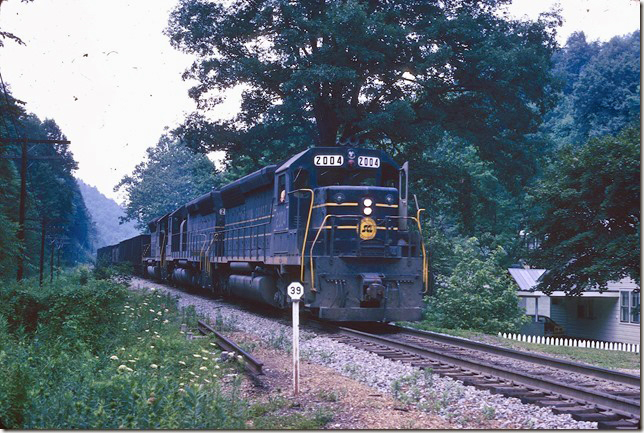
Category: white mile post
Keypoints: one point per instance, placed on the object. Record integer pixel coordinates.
(295, 291)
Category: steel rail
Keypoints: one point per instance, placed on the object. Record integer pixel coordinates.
(560, 364)
(618, 404)
(251, 363)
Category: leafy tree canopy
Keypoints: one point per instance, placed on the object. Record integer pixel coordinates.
(601, 88)
(385, 71)
(171, 176)
(589, 214)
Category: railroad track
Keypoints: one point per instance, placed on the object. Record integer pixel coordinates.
(610, 398)
(252, 365)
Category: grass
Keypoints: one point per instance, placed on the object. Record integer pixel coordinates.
(600, 358)
(86, 353)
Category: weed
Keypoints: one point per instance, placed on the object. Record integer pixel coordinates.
(328, 395)
(489, 412)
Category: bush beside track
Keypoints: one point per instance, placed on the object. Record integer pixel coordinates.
(87, 353)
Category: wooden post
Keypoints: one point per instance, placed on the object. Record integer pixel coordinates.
(42, 249)
(296, 347)
(295, 291)
(21, 209)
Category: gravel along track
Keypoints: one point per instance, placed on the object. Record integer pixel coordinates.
(457, 403)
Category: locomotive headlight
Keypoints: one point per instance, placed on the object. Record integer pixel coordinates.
(367, 202)
(389, 198)
(339, 198)
(367, 211)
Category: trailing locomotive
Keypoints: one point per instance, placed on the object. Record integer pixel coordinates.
(334, 218)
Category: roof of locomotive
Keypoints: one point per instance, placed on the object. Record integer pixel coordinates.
(305, 157)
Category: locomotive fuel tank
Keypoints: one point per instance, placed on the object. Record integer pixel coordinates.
(257, 288)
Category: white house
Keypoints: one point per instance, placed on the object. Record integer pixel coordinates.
(613, 315)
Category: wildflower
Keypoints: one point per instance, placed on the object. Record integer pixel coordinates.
(204, 358)
(125, 329)
(239, 357)
(139, 338)
(154, 366)
(216, 366)
(122, 349)
(131, 360)
(151, 310)
(124, 367)
(181, 384)
(206, 380)
(196, 355)
(192, 373)
(151, 400)
(204, 368)
(182, 390)
(165, 310)
(213, 344)
(152, 289)
(204, 351)
(166, 321)
(147, 330)
(145, 303)
(114, 358)
(151, 347)
(159, 313)
(182, 363)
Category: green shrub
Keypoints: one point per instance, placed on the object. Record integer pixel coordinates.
(479, 295)
(97, 356)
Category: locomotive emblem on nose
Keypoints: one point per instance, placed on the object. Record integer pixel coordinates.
(367, 229)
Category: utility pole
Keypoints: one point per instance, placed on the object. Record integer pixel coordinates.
(23, 191)
(42, 247)
(21, 212)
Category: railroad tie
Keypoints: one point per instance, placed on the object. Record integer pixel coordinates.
(596, 417)
(622, 424)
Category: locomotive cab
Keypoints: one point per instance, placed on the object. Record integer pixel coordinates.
(361, 255)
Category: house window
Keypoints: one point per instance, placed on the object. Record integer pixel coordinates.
(629, 303)
(635, 307)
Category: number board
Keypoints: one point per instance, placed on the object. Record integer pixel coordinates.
(295, 291)
(369, 161)
(328, 160)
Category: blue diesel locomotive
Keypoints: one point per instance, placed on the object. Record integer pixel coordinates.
(333, 218)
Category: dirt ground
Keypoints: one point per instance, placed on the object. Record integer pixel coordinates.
(354, 405)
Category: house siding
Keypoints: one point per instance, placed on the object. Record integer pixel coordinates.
(604, 324)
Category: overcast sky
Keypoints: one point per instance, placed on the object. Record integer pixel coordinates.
(107, 75)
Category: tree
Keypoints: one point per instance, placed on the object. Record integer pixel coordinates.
(171, 176)
(386, 71)
(589, 214)
(479, 295)
(601, 88)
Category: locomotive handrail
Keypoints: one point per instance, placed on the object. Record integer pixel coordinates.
(317, 235)
(422, 244)
(306, 230)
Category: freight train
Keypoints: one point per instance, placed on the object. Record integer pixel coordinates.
(333, 218)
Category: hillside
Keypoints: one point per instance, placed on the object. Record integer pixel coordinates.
(105, 213)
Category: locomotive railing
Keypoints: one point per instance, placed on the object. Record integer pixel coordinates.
(389, 225)
(308, 224)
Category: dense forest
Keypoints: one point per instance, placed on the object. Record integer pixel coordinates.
(57, 222)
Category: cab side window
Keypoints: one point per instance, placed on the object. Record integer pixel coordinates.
(281, 189)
